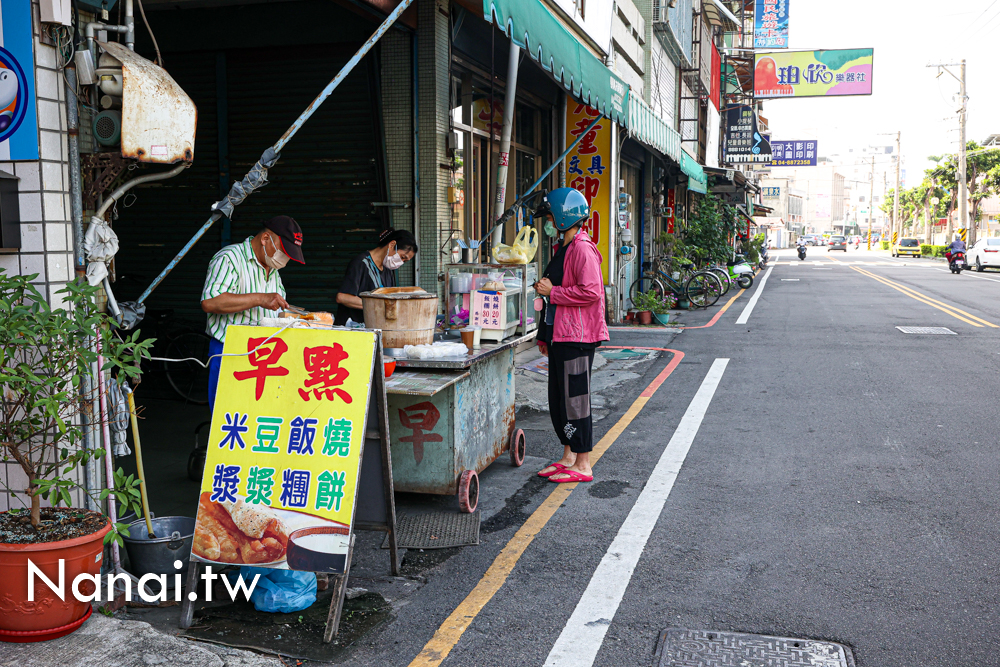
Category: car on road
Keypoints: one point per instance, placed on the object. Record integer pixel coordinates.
(810, 239)
(837, 243)
(906, 247)
(985, 254)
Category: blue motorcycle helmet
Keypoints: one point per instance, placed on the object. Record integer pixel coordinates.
(567, 206)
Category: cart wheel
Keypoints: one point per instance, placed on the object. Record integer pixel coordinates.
(517, 448)
(468, 492)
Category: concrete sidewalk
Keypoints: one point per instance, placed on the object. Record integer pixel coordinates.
(111, 642)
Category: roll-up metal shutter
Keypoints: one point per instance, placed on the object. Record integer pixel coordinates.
(326, 179)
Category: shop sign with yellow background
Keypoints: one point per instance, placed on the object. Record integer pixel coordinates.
(285, 448)
(588, 169)
(812, 73)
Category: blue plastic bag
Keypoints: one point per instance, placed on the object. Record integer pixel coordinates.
(280, 591)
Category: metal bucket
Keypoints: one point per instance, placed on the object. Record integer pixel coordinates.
(174, 535)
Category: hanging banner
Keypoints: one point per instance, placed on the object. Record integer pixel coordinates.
(770, 26)
(588, 169)
(793, 153)
(281, 472)
(744, 142)
(18, 118)
(812, 73)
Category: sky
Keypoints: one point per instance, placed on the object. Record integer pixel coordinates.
(907, 36)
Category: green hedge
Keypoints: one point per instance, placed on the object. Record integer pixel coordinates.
(884, 244)
(933, 250)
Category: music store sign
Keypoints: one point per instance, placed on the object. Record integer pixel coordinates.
(744, 143)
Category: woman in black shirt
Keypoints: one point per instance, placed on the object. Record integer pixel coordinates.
(372, 270)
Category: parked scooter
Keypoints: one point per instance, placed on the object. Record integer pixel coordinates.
(802, 252)
(957, 262)
(762, 264)
(741, 272)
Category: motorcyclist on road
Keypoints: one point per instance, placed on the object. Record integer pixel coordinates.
(958, 245)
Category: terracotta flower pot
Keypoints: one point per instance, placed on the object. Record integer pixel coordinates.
(645, 317)
(47, 617)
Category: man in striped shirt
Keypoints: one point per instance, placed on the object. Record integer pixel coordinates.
(243, 285)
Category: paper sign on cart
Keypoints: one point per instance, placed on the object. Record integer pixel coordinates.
(284, 454)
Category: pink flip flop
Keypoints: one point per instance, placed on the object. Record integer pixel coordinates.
(558, 469)
(574, 476)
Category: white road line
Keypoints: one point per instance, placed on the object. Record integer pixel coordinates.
(584, 633)
(745, 315)
(969, 275)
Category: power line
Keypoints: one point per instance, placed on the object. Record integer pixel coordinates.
(983, 14)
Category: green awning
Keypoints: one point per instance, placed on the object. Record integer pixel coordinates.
(648, 128)
(533, 28)
(697, 181)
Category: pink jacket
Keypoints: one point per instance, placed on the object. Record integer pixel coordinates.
(580, 301)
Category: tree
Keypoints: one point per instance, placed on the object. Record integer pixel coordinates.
(979, 163)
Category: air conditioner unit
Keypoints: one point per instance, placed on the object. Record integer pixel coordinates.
(660, 9)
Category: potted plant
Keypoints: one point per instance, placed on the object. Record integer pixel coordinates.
(645, 303)
(661, 308)
(46, 361)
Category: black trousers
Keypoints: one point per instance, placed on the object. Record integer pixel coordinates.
(569, 395)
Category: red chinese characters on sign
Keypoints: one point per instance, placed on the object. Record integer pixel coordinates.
(420, 418)
(586, 145)
(325, 374)
(671, 200)
(264, 361)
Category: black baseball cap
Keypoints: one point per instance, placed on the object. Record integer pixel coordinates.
(289, 234)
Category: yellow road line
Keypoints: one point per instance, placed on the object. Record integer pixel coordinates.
(447, 636)
(945, 305)
(917, 296)
(957, 313)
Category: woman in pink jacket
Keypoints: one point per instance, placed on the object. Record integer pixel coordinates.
(572, 328)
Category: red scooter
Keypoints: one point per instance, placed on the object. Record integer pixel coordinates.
(956, 261)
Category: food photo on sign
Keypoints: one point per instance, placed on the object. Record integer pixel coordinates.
(284, 454)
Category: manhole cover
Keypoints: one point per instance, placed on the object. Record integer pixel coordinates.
(436, 530)
(680, 647)
(927, 330)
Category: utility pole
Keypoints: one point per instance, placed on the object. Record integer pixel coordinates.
(871, 202)
(963, 193)
(897, 224)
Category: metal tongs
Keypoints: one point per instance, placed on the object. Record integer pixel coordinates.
(295, 309)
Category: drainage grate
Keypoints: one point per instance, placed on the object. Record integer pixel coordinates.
(927, 330)
(681, 647)
(436, 530)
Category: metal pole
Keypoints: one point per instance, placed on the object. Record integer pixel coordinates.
(508, 123)
(871, 203)
(963, 193)
(559, 160)
(287, 136)
(897, 224)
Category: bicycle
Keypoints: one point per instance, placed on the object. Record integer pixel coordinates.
(178, 340)
(701, 288)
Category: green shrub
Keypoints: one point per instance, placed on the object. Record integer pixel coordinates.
(884, 245)
(933, 250)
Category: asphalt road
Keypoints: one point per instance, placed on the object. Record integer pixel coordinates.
(842, 485)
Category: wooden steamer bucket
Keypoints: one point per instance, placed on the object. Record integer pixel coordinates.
(406, 315)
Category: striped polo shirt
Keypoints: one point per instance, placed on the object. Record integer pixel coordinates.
(235, 270)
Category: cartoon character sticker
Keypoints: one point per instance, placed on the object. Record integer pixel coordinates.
(13, 87)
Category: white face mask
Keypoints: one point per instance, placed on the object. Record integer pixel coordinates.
(393, 261)
(276, 261)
